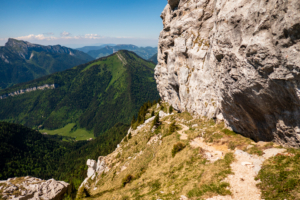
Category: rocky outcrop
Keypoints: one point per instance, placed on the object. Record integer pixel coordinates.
(234, 60)
(43, 87)
(32, 188)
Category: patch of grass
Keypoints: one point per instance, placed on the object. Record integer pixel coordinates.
(231, 145)
(218, 188)
(228, 132)
(69, 131)
(280, 177)
(155, 185)
(255, 150)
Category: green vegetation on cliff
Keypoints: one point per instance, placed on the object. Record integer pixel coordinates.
(93, 96)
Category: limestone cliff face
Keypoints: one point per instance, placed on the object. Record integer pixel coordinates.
(234, 60)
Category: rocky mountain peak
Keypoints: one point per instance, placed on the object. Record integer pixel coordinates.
(234, 61)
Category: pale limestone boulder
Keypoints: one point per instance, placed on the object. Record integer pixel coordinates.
(92, 164)
(237, 61)
(25, 188)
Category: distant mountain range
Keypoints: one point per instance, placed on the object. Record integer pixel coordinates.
(22, 61)
(95, 95)
(86, 49)
(144, 52)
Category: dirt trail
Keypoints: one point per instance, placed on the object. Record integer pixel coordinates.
(245, 169)
(183, 136)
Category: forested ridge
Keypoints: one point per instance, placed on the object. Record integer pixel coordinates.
(95, 95)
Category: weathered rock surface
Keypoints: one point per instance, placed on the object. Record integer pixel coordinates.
(32, 188)
(237, 60)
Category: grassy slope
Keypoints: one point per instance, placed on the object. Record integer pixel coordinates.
(153, 168)
(143, 170)
(95, 95)
(72, 131)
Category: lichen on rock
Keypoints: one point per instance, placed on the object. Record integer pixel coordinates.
(234, 60)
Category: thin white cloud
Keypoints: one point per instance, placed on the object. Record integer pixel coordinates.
(65, 34)
(36, 37)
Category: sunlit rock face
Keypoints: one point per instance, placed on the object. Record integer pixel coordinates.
(237, 60)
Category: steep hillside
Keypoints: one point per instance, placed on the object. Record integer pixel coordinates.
(94, 96)
(153, 59)
(187, 157)
(22, 61)
(234, 60)
(26, 152)
(144, 52)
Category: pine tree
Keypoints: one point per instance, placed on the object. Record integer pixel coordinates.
(152, 113)
(133, 120)
(156, 120)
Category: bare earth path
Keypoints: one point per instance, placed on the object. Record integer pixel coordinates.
(182, 134)
(245, 168)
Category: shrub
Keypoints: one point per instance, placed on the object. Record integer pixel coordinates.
(172, 128)
(156, 120)
(128, 178)
(171, 109)
(129, 136)
(177, 147)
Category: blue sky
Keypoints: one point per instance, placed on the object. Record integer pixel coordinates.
(77, 23)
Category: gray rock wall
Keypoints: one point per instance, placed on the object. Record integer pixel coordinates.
(237, 60)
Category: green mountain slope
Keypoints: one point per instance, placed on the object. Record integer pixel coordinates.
(22, 61)
(153, 59)
(94, 96)
(144, 52)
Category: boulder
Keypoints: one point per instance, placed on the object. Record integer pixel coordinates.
(24, 188)
(92, 164)
(237, 61)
